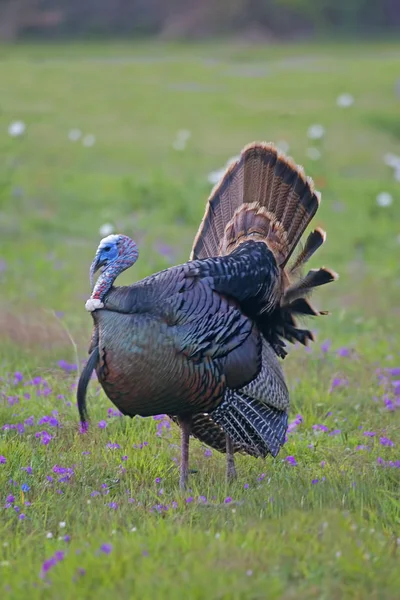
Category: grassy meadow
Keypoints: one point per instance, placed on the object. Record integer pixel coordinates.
(93, 515)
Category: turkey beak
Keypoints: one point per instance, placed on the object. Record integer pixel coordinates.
(94, 267)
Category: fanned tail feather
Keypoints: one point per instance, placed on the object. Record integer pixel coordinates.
(265, 196)
(279, 199)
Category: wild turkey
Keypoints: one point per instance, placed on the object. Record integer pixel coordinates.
(200, 341)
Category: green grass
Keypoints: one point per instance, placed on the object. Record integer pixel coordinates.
(281, 536)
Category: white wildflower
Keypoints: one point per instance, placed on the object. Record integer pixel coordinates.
(133, 529)
(182, 137)
(89, 140)
(283, 146)
(316, 132)
(217, 536)
(16, 128)
(49, 535)
(345, 100)
(338, 554)
(215, 176)
(74, 135)
(106, 229)
(313, 153)
(62, 524)
(391, 160)
(384, 199)
(249, 573)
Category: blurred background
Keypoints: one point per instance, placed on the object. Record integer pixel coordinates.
(261, 19)
(120, 115)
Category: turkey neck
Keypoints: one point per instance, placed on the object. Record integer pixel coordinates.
(106, 279)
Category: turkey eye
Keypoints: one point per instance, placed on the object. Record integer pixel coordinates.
(107, 249)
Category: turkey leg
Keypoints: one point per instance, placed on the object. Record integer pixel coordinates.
(230, 459)
(186, 427)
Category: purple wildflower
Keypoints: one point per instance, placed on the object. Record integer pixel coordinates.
(318, 427)
(113, 505)
(113, 446)
(295, 423)
(51, 562)
(343, 352)
(102, 424)
(246, 486)
(21, 517)
(83, 427)
(389, 403)
(369, 433)
(335, 432)
(314, 481)
(68, 367)
(326, 345)
(228, 500)
(394, 371)
(291, 460)
(3, 460)
(384, 441)
(207, 452)
(106, 548)
(189, 500)
(338, 382)
(396, 385)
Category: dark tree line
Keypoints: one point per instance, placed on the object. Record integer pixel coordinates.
(194, 18)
